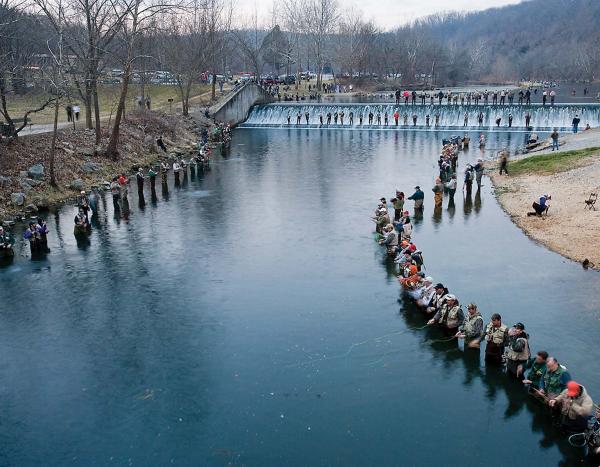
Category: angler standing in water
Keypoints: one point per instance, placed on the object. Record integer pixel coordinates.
(418, 196)
(466, 119)
(370, 118)
(472, 328)
(405, 119)
(306, 117)
(510, 120)
(527, 120)
(496, 336)
(140, 181)
(396, 117)
(414, 119)
(351, 118)
(342, 118)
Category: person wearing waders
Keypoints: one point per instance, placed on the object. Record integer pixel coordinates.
(396, 117)
(496, 337)
(414, 119)
(472, 328)
(468, 181)
(140, 181)
(152, 176)
(478, 172)
(418, 196)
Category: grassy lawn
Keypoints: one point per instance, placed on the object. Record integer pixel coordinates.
(547, 164)
(108, 96)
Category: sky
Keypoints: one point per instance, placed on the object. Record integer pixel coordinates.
(386, 13)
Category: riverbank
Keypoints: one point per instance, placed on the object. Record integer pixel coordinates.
(569, 176)
(24, 164)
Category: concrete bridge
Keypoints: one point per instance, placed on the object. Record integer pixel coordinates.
(235, 108)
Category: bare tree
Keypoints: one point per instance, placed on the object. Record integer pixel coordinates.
(16, 50)
(321, 18)
(137, 17)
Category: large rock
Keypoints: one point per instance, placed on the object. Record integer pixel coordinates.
(91, 167)
(31, 208)
(4, 181)
(77, 184)
(25, 186)
(36, 172)
(18, 199)
(89, 152)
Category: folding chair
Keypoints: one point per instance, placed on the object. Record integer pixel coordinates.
(591, 201)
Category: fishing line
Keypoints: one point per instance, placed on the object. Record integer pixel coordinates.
(352, 347)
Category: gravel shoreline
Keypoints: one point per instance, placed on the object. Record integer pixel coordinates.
(569, 229)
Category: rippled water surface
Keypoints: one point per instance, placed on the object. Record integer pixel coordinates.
(238, 321)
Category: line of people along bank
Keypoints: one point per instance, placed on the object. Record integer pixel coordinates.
(395, 119)
(545, 378)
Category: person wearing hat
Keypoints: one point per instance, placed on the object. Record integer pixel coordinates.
(406, 231)
(418, 196)
(468, 179)
(496, 336)
(140, 180)
(398, 203)
(451, 187)
(438, 189)
(437, 300)
(472, 328)
(6, 239)
(478, 172)
(450, 316)
(575, 406)
(424, 294)
(517, 351)
(390, 240)
(382, 220)
(541, 207)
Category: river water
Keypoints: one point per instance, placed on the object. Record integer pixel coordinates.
(238, 321)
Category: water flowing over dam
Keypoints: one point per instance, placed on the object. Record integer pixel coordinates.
(450, 116)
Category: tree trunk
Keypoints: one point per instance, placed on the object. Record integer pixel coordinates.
(53, 145)
(113, 143)
(88, 103)
(97, 125)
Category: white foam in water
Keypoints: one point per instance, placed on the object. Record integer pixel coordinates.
(200, 194)
(560, 115)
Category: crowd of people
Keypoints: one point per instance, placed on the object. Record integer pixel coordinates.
(509, 347)
(397, 118)
(485, 97)
(36, 233)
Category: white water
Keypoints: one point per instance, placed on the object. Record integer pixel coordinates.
(560, 115)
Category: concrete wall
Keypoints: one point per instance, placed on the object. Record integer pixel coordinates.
(235, 109)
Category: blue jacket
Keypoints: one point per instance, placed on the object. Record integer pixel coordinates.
(417, 195)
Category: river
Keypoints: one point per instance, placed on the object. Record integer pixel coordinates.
(238, 320)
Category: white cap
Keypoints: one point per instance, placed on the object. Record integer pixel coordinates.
(450, 297)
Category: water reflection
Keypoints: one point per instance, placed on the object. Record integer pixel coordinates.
(194, 321)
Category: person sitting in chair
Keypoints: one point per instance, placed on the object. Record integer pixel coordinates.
(541, 207)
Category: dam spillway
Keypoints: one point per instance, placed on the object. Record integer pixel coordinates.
(543, 118)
